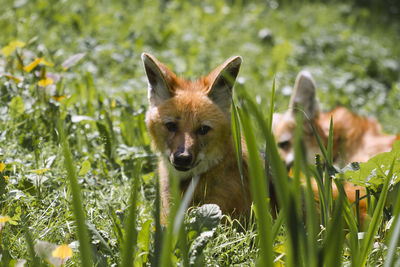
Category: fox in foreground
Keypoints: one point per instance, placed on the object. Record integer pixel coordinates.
(189, 123)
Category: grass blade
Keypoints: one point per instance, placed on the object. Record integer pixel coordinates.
(259, 191)
(376, 219)
(130, 238)
(333, 242)
(237, 142)
(77, 207)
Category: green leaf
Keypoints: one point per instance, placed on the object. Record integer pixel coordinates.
(206, 217)
(85, 168)
(143, 239)
(198, 246)
(16, 107)
(373, 172)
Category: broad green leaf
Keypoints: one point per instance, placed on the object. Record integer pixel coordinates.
(197, 248)
(144, 238)
(205, 217)
(373, 172)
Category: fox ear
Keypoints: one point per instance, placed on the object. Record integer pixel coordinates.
(222, 80)
(159, 79)
(304, 95)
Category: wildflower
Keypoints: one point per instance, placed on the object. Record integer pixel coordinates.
(62, 252)
(36, 62)
(10, 48)
(2, 166)
(45, 82)
(3, 221)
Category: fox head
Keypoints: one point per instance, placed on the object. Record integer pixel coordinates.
(304, 100)
(189, 121)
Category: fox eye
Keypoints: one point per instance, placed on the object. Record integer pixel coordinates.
(203, 130)
(171, 126)
(285, 145)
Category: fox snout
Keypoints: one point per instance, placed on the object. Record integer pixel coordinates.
(182, 160)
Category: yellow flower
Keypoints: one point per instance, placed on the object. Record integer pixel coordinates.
(11, 77)
(3, 221)
(33, 65)
(36, 62)
(2, 166)
(45, 82)
(40, 171)
(59, 98)
(62, 252)
(10, 48)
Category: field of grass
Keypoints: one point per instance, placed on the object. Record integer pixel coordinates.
(76, 164)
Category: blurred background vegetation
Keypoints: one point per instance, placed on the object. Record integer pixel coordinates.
(351, 47)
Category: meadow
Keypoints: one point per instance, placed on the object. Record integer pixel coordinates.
(76, 163)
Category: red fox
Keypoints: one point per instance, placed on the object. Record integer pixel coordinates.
(189, 123)
(354, 138)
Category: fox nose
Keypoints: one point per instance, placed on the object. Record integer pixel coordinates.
(182, 161)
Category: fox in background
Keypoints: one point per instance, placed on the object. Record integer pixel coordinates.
(355, 138)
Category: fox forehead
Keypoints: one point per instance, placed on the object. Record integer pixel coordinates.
(191, 108)
(284, 127)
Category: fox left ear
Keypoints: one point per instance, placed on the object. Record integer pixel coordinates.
(160, 80)
(223, 79)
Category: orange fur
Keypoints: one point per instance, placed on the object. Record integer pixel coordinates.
(355, 138)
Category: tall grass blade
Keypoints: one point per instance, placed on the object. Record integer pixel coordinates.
(393, 243)
(351, 224)
(334, 240)
(158, 235)
(311, 254)
(168, 241)
(179, 230)
(130, 238)
(394, 235)
(267, 162)
(77, 207)
(376, 219)
(29, 241)
(237, 142)
(271, 106)
(259, 192)
(330, 143)
(319, 141)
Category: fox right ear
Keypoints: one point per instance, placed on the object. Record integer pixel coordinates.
(158, 77)
(304, 95)
(223, 79)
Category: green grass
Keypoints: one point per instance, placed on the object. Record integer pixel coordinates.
(102, 149)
